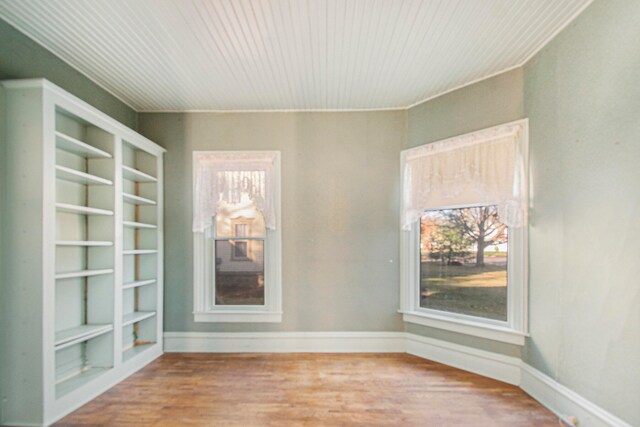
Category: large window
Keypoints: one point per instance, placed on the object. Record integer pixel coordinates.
(464, 220)
(237, 237)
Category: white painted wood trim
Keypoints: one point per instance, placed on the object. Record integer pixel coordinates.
(564, 402)
(559, 399)
(34, 103)
(203, 271)
(238, 317)
(278, 110)
(515, 329)
(492, 365)
(79, 397)
(285, 342)
(19, 424)
(88, 112)
(476, 329)
(485, 363)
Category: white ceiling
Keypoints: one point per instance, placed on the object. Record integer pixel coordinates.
(168, 55)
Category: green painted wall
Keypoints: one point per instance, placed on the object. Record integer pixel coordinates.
(22, 58)
(582, 96)
(487, 103)
(340, 243)
(340, 195)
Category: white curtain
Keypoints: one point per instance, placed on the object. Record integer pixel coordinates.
(485, 167)
(225, 177)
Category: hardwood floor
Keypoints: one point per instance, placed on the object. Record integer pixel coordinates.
(308, 390)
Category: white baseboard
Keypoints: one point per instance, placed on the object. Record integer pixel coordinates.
(22, 424)
(557, 398)
(284, 342)
(488, 364)
(76, 399)
(485, 363)
(564, 402)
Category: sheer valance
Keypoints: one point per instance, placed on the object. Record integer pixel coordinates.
(484, 167)
(225, 177)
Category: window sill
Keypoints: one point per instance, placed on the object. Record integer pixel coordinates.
(238, 317)
(477, 329)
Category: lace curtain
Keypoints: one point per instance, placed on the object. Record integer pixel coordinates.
(485, 167)
(225, 177)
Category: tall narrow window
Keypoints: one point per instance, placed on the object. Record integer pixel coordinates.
(239, 247)
(464, 219)
(237, 237)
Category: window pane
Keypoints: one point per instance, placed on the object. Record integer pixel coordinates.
(463, 262)
(240, 249)
(241, 230)
(240, 272)
(239, 220)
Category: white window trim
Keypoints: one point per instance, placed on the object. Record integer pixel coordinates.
(204, 271)
(515, 329)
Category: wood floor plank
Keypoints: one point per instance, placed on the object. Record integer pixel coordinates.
(308, 389)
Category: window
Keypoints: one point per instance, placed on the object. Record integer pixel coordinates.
(237, 265)
(241, 251)
(242, 248)
(463, 261)
(464, 234)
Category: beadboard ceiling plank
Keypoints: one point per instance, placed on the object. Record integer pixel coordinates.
(289, 55)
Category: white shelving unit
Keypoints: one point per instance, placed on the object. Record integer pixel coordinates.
(85, 222)
(82, 273)
(141, 267)
(81, 210)
(79, 177)
(80, 334)
(133, 224)
(137, 200)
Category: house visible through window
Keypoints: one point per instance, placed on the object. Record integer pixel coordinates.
(239, 275)
(240, 250)
(241, 247)
(237, 254)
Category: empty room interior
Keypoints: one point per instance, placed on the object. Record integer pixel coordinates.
(320, 213)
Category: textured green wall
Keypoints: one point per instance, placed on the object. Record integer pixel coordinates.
(22, 58)
(582, 96)
(340, 195)
(487, 103)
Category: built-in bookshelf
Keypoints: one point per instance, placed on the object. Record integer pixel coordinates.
(85, 221)
(140, 250)
(84, 251)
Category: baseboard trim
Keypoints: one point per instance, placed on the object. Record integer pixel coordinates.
(284, 342)
(75, 400)
(564, 402)
(492, 365)
(485, 363)
(557, 398)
